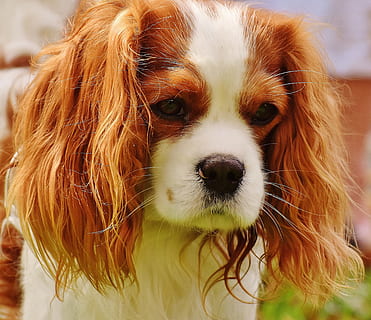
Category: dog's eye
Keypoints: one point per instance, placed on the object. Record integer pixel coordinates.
(265, 114)
(171, 109)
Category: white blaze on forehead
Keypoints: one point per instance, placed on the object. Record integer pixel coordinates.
(219, 50)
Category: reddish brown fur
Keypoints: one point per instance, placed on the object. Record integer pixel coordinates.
(306, 156)
(10, 291)
(10, 239)
(89, 146)
(19, 61)
(185, 84)
(86, 129)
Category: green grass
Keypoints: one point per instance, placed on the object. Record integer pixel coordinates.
(356, 305)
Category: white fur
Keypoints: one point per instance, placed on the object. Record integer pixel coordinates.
(220, 54)
(168, 287)
(169, 278)
(219, 49)
(174, 172)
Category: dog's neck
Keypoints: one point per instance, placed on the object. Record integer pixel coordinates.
(171, 274)
(172, 267)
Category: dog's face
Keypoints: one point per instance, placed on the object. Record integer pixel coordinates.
(216, 104)
(211, 177)
(210, 116)
(208, 173)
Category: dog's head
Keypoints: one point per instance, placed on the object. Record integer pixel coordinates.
(200, 114)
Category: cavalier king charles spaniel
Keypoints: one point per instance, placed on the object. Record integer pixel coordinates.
(171, 152)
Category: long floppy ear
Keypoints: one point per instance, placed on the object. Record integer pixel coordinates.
(307, 174)
(82, 141)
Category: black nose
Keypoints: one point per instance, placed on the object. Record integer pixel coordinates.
(221, 174)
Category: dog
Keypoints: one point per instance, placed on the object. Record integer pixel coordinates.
(169, 153)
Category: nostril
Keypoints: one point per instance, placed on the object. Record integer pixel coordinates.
(221, 170)
(207, 171)
(221, 174)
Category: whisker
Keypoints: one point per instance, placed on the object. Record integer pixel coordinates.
(284, 188)
(289, 222)
(291, 83)
(288, 93)
(274, 220)
(116, 225)
(285, 201)
(277, 172)
(269, 144)
(296, 71)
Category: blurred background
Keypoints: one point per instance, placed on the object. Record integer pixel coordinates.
(344, 29)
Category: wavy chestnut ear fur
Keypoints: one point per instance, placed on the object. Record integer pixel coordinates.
(304, 223)
(83, 141)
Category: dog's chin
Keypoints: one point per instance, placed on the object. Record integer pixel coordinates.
(211, 219)
(218, 220)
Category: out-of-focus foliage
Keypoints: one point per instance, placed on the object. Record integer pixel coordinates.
(289, 305)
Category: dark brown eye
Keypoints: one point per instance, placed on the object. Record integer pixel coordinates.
(264, 115)
(170, 109)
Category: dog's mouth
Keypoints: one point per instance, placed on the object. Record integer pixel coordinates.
(218, 205)
(222, 216)
(218, 211)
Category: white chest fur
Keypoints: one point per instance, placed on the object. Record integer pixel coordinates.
(170, 281)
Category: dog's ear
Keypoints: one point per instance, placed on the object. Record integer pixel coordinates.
(307, 173)
(81, 132)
